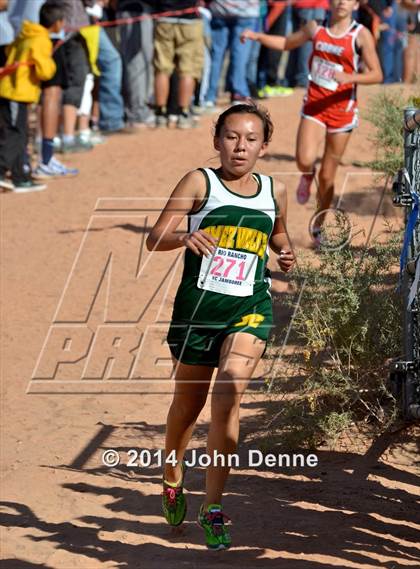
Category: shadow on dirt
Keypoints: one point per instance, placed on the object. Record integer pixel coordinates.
(348, 508)
(371, 201)
(268, 156)
(125, 226)
(350, 511)
(21, 564)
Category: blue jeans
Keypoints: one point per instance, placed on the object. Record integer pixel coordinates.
(111, 104)
(252, 67)
(387, 46)
(205, 76)
(297, 68)
(269, 59)
(400, 43)
(225, 34)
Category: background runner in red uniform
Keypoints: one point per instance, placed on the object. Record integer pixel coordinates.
(329, 111)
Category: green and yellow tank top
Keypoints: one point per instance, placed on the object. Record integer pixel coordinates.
(235, 279)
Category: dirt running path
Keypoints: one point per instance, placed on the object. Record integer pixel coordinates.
(71, 301)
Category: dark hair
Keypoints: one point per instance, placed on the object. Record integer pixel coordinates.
(250, 109)
(50, 13)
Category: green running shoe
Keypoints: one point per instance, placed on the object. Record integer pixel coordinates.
(213, 523)
(174, 504)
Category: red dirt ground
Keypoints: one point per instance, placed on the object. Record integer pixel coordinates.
(62, 509)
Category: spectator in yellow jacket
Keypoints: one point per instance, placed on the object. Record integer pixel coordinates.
(29, 61)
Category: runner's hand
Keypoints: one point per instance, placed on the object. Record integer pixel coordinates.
(286, 260)
(200, 242)
(343, 78)
(248, 35)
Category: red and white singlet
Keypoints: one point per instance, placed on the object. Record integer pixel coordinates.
(326, 101)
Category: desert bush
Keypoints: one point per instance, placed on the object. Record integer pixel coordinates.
(348, 322)
(347, 326)
(385, 112)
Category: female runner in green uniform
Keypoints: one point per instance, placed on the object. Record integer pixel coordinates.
(223, 310)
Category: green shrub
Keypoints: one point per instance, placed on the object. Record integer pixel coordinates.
(347, 326)
(385, 112)
(348, 323)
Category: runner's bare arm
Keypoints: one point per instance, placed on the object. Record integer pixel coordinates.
(291, 41)
(372, 72)
(279, 241)
(187, 196)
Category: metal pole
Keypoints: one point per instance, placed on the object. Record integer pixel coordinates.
(411, 119)
(411, 332)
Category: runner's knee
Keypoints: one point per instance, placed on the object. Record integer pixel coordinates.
(225, 402)
(304, 163)
(188, 408)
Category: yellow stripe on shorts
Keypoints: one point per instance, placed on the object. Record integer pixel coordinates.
(252, 320)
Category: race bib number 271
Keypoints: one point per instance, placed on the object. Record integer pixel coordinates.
(228, 272)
